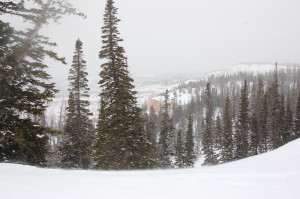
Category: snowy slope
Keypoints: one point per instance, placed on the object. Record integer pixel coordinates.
(273, 175)
(151, 87)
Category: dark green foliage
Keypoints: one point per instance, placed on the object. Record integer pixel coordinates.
(270, 123)
(179, 151)
(207, 139)
(24, 82)
(121, 141)
(165, 135)
(11, 7)
(77, 140)
(263, 127)
(217, 140)
(22, 70)
(288, 134)
(227, 136)
(22, 141)
(257, 112)
(242, 128)
(281, 120)
(253, 135)
(189, 145)
(274, 123)
(152, 128)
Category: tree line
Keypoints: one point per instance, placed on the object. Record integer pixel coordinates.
(243, 114)
(269, 122)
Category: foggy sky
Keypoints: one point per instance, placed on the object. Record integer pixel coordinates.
(185, 36)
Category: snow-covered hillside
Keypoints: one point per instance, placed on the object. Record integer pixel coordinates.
(147, 86)
(273, 175)
(152, 87)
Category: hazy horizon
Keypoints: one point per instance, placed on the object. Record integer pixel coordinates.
(183, 37)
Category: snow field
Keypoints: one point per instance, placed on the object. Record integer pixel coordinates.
(272, 175)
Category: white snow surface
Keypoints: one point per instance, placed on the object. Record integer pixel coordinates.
(272, 175)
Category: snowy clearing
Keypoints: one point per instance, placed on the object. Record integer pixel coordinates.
(272, 175)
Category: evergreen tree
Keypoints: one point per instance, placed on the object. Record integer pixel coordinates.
(263, 124)
(227, 140)
(253, 135)
(218, 140)
(207, 141)
(259, 98)
(165, 134)
(121, 141)
(152, 128)
(179, 151)
(297, 119)
(274, 113)
(281, 120)
(189, 155)
(242, 133)
(201, 135)
(198, 123)
(76, 144)
(25, 85)
(25, 142)
(11, 7)
(288, 125)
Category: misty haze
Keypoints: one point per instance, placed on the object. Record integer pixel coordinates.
(149, 99)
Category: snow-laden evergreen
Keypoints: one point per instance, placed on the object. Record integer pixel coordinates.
(75, 149)
(121, 141)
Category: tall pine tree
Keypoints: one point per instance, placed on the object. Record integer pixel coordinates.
(165, 134)
(207, 139)
(217, 139)
(227, 140)
(288, 134)
(258, 101)
(274, 113)
(189, 155)
(242, 128)
(253, 147)
(152, 128)
(282, 129)
(263, 125)
(76, 144)
(121, 141)
(179, 151)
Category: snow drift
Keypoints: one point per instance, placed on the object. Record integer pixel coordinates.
(272, 175)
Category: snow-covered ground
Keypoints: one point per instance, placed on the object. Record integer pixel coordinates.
(272, 175)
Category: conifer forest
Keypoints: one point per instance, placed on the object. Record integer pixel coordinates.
(216, 119)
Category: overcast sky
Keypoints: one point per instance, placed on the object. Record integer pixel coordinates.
(185, 36)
